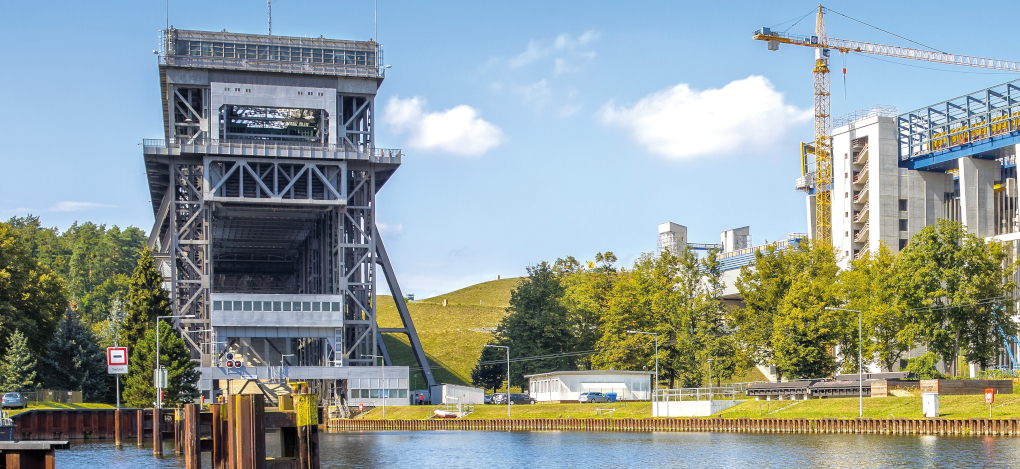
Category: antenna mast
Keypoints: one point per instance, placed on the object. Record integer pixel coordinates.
(269, 7)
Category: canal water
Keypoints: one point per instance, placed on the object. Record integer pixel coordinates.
(556, 449)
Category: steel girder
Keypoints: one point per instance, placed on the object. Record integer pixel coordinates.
(224, 216)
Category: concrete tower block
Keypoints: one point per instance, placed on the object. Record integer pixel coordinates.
(977, 181)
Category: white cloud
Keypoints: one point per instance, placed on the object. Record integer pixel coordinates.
(75, 206)
(388, 228)
(458, 130)
(565, 47)
(683, 123)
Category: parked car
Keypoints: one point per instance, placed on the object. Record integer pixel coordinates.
(521, 399)
(592, 397)
(488, 399)
(498, 398)
(13, 400)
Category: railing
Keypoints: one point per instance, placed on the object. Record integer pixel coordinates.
(876, 110)
(863, 154)
(859, 234)
(961, 120)
(281, 54)
(696, 394)
(375, 154)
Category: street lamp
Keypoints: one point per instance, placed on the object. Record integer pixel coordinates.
(159, 382)
(709, 380)
(507, 375)
(860, 358)
(656, 335)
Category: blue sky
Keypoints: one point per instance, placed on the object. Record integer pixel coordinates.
(532, 129)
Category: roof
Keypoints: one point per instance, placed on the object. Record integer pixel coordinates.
(591, 372)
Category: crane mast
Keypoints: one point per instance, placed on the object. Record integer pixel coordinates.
(823, 119)
(823, 132)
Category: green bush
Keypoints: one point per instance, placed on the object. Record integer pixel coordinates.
(924, 366)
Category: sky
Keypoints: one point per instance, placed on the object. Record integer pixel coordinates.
(531, 130)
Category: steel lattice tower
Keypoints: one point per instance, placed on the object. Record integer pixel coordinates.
(264, 193)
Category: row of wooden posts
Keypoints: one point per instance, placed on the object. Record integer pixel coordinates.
(937, 426)
(234, 431)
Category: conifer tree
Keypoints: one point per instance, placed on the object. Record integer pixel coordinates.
(145, 300)
(182, 375)
(17, 372)
(74, 361)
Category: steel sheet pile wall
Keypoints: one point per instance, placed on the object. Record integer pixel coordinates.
(895, 426)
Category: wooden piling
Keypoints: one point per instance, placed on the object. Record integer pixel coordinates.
(116, 429)
(140, 428)
(157, 431)
(190, 436)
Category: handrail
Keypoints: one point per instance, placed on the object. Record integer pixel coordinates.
(696, 394)
(266, 145)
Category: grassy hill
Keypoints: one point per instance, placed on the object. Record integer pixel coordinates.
(451, 335)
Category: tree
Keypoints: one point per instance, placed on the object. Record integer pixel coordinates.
(955, 286)
(536, 324)
(677, 297)
(31, 296)
(490, 371)
(869, 286)
(145, 300)
(785, 320)
(586, 295)
(763, 285)
(74, 362)
(924, 366)
(17, 372)
(182, 375)
(95, 262)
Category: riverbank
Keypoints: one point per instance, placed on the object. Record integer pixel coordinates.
(952, 407)
(890, 426)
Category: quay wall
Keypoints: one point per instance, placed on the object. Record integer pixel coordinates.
(893, 426)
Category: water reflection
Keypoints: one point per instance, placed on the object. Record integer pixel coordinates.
(443, 449)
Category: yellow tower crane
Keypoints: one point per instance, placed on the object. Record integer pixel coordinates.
(823, 122)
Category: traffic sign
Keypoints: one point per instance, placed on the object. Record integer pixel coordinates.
(159, 378)
(116, 360)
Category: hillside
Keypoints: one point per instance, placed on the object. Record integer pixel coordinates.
(451, 335)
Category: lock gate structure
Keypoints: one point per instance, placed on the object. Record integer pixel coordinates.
(264, 195)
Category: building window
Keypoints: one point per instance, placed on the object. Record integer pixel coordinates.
(903, 244)
(903, 225)
(846, 215)
(903, 205)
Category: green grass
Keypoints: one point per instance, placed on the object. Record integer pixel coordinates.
(494, 293)
(57, 405)
(537, 411)
(452, 335)
(954, 407)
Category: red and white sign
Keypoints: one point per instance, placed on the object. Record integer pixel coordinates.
(989, 396)
(116, 360)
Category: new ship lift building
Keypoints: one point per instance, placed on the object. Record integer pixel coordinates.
(264, 195)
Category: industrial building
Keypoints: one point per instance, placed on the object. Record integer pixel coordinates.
(895, 174)
(264, 190)
(559, 386)
(733, 251)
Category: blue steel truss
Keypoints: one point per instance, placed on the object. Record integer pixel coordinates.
(983, 124)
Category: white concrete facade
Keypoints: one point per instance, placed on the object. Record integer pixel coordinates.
(874, 199)
(672, 237)
(568, 385)
(455, 394)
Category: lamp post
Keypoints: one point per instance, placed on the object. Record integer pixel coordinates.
(159, 382)
(507, 376)
(656, 335)
(860, 358)
(709, 380)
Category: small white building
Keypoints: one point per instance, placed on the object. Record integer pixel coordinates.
(568, 385)
(455, 394)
